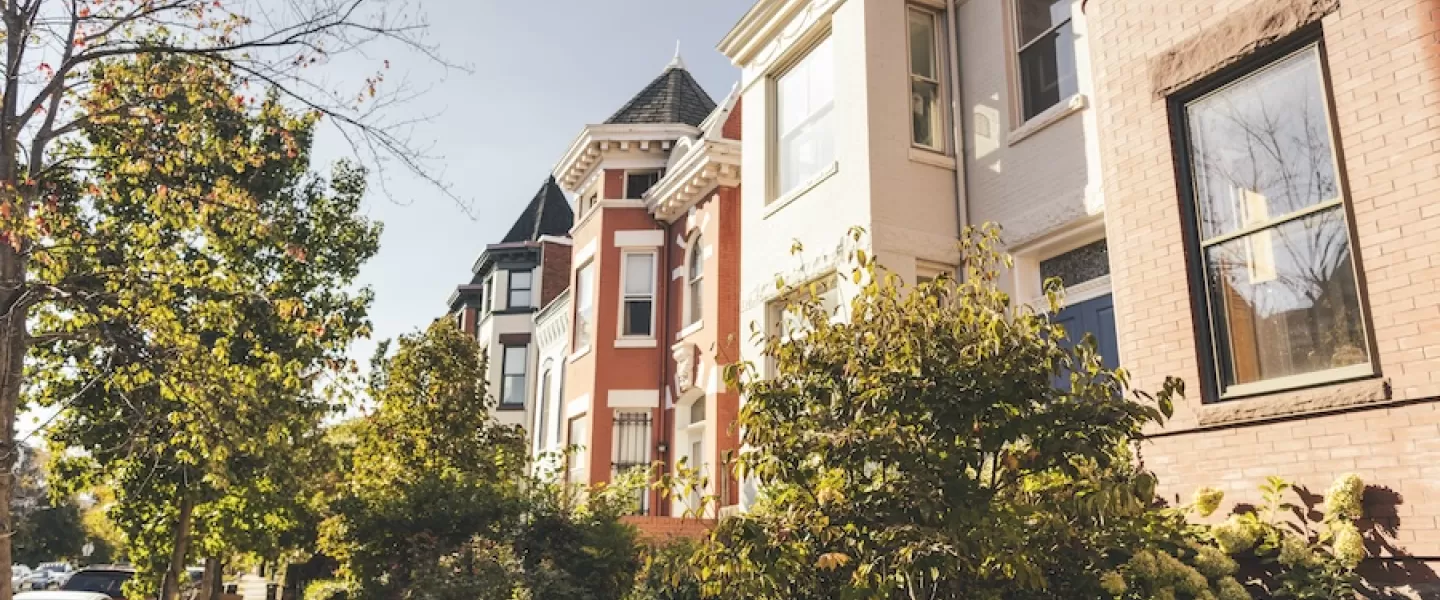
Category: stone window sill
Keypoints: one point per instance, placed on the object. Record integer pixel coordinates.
(926, 156)
(690, 329)
(796, 193)
(635, 343)
(1292, 403)
(1051, 116)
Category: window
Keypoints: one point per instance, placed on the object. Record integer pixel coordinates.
(588, 202)
(1282, 297)
(542, 410)
(520, 283)
(512, 381)
(1047, 54)
(638, 303)
(790, 321)
(513, 363)
(694, 282)
(631, 449)
(576, 461)
(488, 296)
(925, 122)
(639, 182)
(584, 305)
(805, 97)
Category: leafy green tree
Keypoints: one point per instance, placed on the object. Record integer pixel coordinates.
(59, 58)
(190, 379)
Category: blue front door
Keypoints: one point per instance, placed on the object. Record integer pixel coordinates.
(1096, 317)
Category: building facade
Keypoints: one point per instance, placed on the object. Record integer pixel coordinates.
(1272, 175)
(509, 282)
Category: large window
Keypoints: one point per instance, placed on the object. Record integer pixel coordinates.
(584, 305)
(925, 121)
(512, 381)
(805, 97)
(695, 282)
(639, 182)
(638, 302)
(1046, 54)
(520, 288)
(1281, 292)
(788, 313)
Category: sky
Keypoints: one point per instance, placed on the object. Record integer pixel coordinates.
(539, 71)
(535, 72)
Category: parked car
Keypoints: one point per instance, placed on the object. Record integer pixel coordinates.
(47, 576)
(18, 573)
(103, 580)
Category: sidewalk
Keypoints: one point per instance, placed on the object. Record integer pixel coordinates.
(252, 587)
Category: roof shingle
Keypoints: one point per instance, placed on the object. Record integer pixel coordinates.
(548, 213)
(673, 97)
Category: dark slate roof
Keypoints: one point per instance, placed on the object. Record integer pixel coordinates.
(673, 97)
(547, 214)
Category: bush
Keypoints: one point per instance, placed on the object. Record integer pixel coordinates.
(328, 589)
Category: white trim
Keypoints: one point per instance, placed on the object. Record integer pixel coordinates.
(633, 399)
(938, 35)
(677, 273)
(635, 342)
(585, 253)
(638, 238)
(1075, 294)
(1050, 116)
(557, 239)
(620, 334)
(926, 156)
(575, 408)
(579, 354)
(687, 282)
(690, 329)
(801, 190)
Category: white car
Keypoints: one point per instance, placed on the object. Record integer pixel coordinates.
(18, 573)
(61, 595)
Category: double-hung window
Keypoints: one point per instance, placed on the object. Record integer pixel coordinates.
(925, 121)
(542, 408)
(584, 305)
(805, 99)
(695, 282)
(512, 382)
(1275, 250)
(1046, 54)
(638, 303)
(577, 460)
(520, 288)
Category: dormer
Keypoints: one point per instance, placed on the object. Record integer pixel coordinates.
(619, 160)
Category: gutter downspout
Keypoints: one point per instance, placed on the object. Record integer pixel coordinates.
(663, 443)
(957, 119)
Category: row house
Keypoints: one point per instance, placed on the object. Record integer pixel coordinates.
(510, 281)
(630, 358)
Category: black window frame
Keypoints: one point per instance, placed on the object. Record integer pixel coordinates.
(655, 175)
(511, 288)
(1023, 45)
(506, 376)
(1212, 387)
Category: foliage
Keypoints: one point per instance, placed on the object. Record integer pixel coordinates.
(918, 446)
(666, 573)
(437, 502)
(209, 278)
(328, 589)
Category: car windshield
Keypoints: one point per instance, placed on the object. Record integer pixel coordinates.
(104, 582)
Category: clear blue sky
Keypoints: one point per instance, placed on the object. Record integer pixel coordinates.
(540, 71)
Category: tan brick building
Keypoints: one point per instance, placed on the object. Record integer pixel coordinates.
(1271, 172)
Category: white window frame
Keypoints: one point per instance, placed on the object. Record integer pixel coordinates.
(626, 297)
(542, 404)
(587, 325)
(937, 39)
(777, 193)
(695, 252)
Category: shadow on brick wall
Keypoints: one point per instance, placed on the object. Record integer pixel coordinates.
(1391, 573)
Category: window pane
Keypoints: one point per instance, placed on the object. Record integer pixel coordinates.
(520, 279)
(584, 304)
(519, 298)
(636, 184)
(925, 117)
(697, 257)
(1047, 71)
(922, 44)
(697, 300)
(514, 394)
(515, 359)
(1038, 16)
(637, 317)
(805, 98)
(639, 273)
(543, 409)
(1285, 300)
(1260, 148)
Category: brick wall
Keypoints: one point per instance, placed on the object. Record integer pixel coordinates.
(659, 530)
(734, 123)
(1384, 68)
(554, 271)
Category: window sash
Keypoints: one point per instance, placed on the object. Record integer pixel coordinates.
(633, 297)
(584, 304)
(542, 407)
(804, 100)
(519, 295)
(1035, 40)
(1023, 43)
(933, 119)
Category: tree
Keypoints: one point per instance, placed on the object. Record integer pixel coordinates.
(48, 527)
(437, 503)
(58, 51)
(918, 447)
(190, 377)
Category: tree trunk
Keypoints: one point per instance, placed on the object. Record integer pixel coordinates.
(214, 581)
(176, 573)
